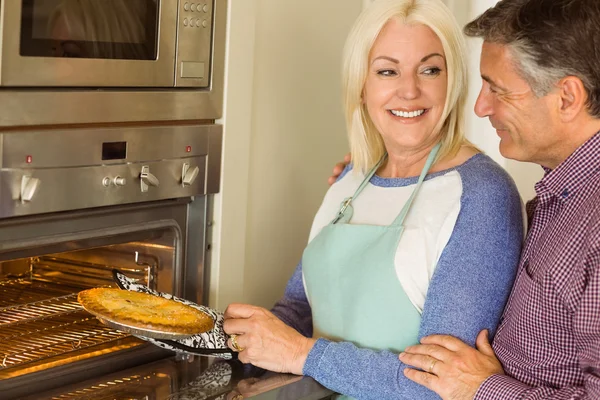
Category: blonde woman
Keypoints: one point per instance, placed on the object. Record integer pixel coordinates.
(421, 235)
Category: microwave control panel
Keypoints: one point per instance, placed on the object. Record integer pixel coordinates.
(194, 40)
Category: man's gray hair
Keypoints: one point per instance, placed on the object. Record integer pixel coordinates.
(549, 40)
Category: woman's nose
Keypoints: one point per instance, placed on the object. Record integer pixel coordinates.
(408, 87)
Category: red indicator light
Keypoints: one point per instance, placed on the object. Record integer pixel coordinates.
(28, 159)
(188, 149)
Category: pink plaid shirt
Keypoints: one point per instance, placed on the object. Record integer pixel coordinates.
(549, 337)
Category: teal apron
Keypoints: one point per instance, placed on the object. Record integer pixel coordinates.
(351, 280)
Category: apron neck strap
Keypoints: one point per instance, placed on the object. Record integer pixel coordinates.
(346, 210)
(368, 177)
(404, 212)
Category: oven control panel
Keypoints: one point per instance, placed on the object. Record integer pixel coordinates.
(71, 170)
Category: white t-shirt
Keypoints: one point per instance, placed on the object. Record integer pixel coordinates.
(428, 225)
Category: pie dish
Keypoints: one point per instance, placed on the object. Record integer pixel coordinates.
(144, 314)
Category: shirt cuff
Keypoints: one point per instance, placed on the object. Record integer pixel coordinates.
(311, 365)
(500, 387)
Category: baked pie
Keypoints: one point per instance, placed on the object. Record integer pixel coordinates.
(144, 311)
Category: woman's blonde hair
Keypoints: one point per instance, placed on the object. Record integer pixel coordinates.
(366, 143)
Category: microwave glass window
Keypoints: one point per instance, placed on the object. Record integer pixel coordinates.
(108, 29)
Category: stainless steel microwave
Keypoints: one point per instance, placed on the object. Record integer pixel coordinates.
(140, 59)
(106, 43)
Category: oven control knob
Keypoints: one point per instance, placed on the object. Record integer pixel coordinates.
(118, 181)
(188, 175)
(28, 187)
(147, 179)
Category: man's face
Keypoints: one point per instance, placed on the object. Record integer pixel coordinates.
(526, 124)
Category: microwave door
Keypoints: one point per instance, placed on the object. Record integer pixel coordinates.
(89, 43)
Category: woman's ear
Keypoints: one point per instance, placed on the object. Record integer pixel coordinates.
(573, 97)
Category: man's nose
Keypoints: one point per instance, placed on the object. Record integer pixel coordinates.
(483, 105)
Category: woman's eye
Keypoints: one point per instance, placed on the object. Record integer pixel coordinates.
(433, 71)
(386, 72)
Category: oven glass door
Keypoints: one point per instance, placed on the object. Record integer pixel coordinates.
(121, 30)
(89, 43)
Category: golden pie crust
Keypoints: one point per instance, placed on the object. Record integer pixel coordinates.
(144, 311)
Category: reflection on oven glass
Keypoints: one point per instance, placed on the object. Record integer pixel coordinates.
(145, 386)
(217, 380)
(109, 29)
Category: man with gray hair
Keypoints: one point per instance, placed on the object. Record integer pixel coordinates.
(540, 65)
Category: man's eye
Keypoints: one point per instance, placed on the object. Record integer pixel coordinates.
(490, 88)
(386, 72)
(433, 71)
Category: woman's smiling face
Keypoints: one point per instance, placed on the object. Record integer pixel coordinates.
(405, 90)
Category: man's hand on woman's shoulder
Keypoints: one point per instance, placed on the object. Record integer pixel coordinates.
(339, 168)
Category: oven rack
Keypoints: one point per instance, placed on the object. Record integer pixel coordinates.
(81, 273)
(52, 327)
(37, 311)
(19, 291)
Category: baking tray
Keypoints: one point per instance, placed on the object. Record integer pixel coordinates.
(151, 333)
(135, 330)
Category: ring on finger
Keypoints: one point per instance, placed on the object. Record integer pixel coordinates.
(235, 344)
(433, 362)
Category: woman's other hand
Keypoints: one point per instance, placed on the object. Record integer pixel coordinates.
(339, 168)
(264, 340)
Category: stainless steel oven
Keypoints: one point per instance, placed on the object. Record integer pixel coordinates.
(76, 203)
(109, 154)
(62, 59)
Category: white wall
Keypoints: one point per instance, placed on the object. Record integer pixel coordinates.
(284, 131)
(227, 236)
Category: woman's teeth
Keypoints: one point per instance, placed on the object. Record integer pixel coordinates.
(405, 114)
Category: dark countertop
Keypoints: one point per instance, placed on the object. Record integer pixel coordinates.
(195, 378)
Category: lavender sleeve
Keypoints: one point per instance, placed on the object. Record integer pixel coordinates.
(293, 309)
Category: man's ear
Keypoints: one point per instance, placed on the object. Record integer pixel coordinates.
(573, 97)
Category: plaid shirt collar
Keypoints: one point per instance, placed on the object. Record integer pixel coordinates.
(564, 180)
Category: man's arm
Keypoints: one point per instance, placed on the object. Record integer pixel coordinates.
(457, 360)
(586, 322)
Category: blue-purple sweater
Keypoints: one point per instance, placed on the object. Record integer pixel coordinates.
(467, 292)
